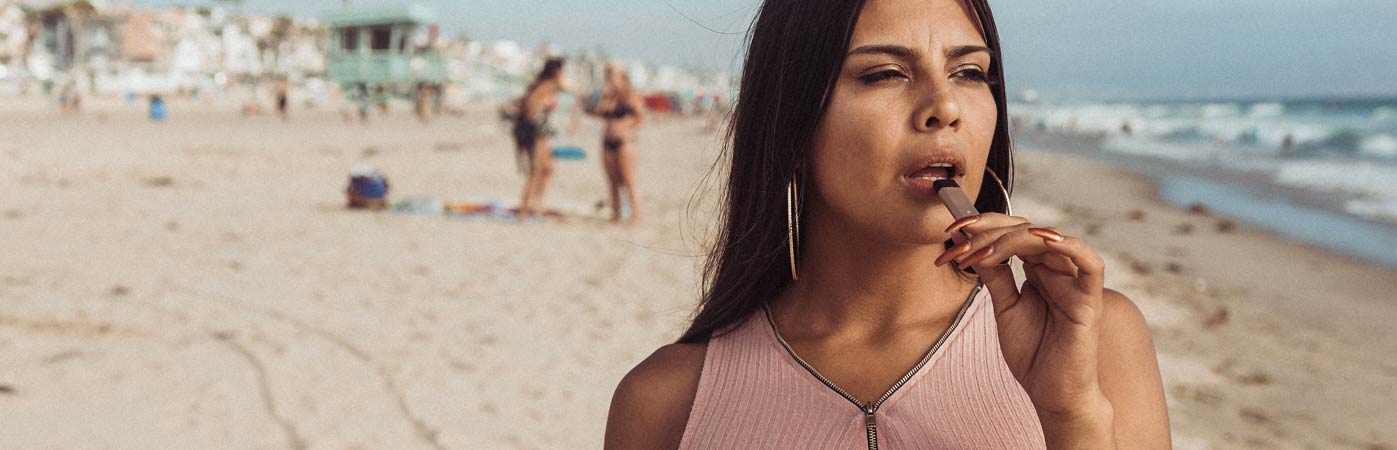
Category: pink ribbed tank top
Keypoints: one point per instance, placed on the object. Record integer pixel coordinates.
(755, 393)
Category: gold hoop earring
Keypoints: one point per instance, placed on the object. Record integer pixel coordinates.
(1008, 211)
(792, 224)
(1008, 208)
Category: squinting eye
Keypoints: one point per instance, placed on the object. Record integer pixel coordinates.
(975, 75)
(880, 76)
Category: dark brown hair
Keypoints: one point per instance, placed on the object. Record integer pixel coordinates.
(795, 54)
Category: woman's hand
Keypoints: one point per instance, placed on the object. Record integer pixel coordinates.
(1049, 329)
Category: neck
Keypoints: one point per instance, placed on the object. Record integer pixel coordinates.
(851, 282)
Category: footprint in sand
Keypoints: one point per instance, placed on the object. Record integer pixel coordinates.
(158, 182)
(461, 366)
(1203, 395)
(61, 356)
(448, 146)
(1217, 318)
(1254, 417)
(1228, 368)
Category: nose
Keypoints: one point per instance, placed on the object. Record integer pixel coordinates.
(942, 110)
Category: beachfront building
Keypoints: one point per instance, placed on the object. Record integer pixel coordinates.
(393, 50)
(14, 37)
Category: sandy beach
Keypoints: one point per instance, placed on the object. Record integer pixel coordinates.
(197, 283)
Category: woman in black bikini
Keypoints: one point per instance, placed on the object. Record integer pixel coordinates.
(532, 131)
(621, 108)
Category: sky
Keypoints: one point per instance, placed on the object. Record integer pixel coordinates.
(1090, 49)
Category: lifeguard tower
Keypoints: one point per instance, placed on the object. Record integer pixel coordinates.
(373, 50)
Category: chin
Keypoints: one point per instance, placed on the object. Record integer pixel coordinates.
(923, 229)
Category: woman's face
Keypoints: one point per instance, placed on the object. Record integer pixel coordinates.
(912, 96)
(613, 76)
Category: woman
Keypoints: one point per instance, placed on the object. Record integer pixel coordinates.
(621, 107)
(847, 110)
(532, 131)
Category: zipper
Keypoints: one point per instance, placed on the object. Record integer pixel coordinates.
(870, 409)
(870, 425)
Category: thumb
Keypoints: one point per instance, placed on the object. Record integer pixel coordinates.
(999, 279)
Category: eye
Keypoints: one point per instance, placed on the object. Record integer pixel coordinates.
(972, 74)
(877, 77)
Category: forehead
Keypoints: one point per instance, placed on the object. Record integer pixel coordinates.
(917, 23)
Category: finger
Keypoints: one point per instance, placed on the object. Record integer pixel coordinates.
(1002, 244)
(989, 221)
(967, 255)
(1059, 263)
(952, 253)
(1091, 274)
(1055, 261)
(1004, 289)
(1046, 279)
(961, 223)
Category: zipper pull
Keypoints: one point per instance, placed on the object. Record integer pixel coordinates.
(870, 426)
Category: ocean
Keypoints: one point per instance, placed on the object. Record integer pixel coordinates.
(1304, 158)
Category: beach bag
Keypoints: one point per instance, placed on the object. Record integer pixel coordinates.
(368, 188)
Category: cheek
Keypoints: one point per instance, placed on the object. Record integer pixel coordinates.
(851, 149)
(982, 117)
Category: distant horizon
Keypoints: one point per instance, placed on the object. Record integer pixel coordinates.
(1168, 49)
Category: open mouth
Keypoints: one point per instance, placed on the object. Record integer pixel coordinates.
(937, 171)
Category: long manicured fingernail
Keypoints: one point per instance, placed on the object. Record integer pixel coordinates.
(957, 225)
(1045, 233)
(976, 257)
(952, 253)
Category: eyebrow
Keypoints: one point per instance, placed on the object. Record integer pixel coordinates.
(964, 50)
(905, 52)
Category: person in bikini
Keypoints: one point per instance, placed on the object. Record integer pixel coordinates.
(532, 132)
(621, 107)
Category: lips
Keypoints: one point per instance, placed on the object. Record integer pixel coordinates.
(935, 172)
(941, 164)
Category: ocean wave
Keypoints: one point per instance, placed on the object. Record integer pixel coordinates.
(1278, 129)
(1384, 210)
(1365, 178)
(1380, 146)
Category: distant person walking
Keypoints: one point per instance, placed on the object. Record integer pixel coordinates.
(69, 99)
(361, 97)
(283, 91)
(532, 132)
(422, 103)
(623, 110)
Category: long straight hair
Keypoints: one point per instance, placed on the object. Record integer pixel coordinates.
(795, 54)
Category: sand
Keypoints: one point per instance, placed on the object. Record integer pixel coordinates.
(197, 284)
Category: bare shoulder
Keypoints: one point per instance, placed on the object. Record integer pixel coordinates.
(1125, 336)
(651, 405)
(1121, 313)
(1129, 373)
